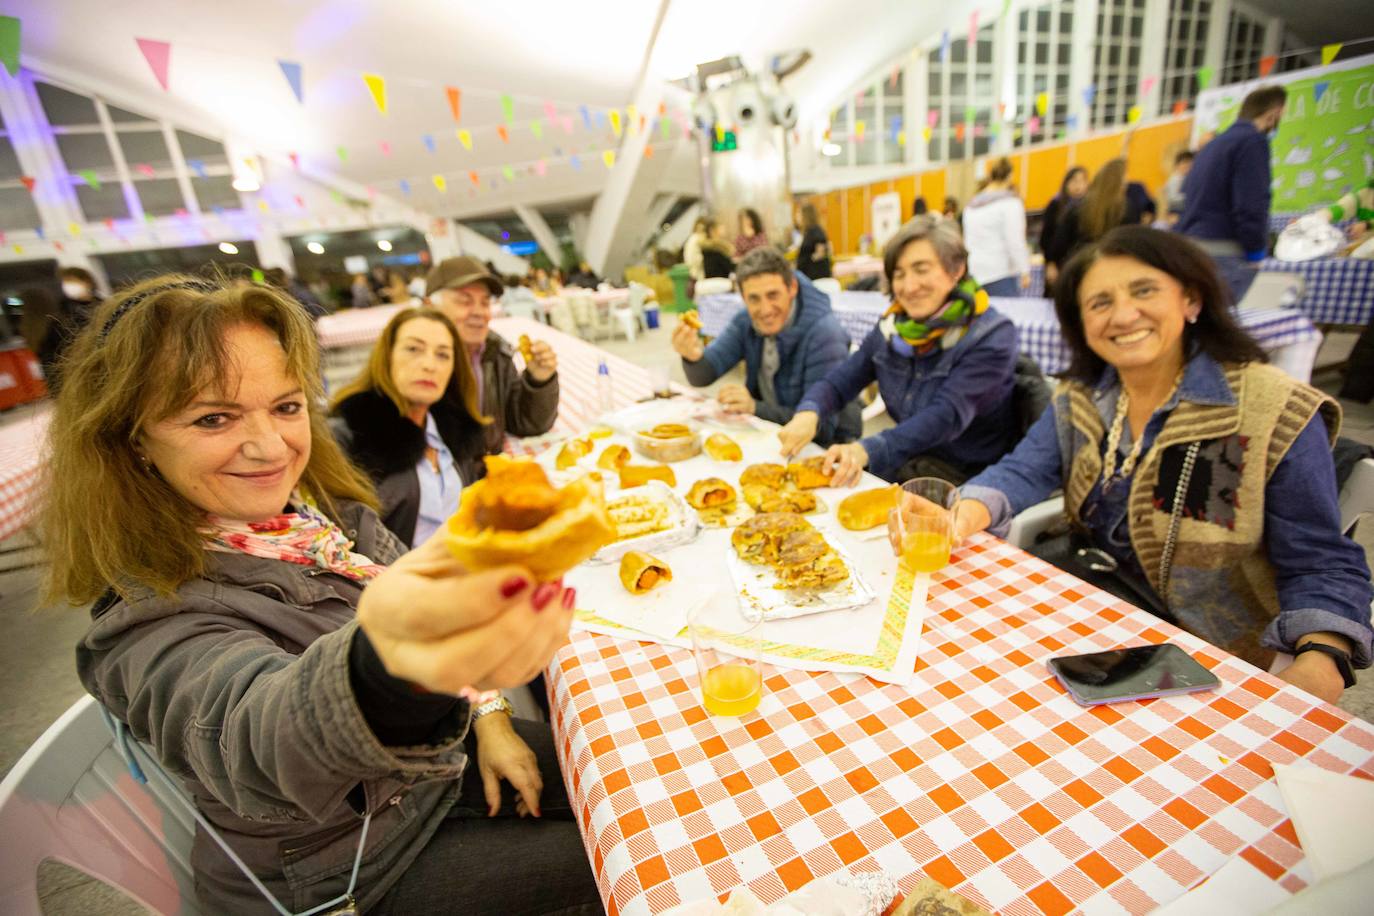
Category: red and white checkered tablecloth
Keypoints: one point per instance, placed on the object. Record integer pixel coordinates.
(354, 327)
(21, 445)
(982, 773)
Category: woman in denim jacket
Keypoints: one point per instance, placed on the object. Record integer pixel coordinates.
(1202, 475)
(943, 361)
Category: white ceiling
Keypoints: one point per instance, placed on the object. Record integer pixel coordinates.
(224, 74)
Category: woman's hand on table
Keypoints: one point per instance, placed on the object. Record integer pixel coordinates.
(735, 399)
(687, 342)
(970, 517)
(502, 755)
(442, 628)
(1317, 673)
(847, 463)
(543, 363)
(799, 431)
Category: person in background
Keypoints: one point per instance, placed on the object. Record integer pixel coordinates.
(397, 292)
(1139, 200)
(540, 282)
(1200, 479)
(518, 403)
(1173, 186)
(716, 260)
(951, 209)
(813, 255)
(1071, 191)
(751, 234)
(1227, 194)
(254, 624)
(44, 332)
(788, 339)
(584, 276)
(79, 297)
(378, 278)
(410, 420)
(278, 278)
(691, 250)
(360, 292)
(416, 284)
(518, 298)
(944, 362)
(995, 235)
(1105, 206)
(919, 207)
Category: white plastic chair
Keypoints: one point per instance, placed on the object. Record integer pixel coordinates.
(828, 285)
(1357, 496)
(583, 312)
(713, 286)
(71, 798)
(1273, 290)
(561, 316)
(1029, 524)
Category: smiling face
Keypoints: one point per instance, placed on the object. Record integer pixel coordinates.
(920, 283)
(769, 301)
(1134, 314)
(469, 308)
(422, 361)
(239, 448)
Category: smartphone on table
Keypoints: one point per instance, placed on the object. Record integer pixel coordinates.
(1137, 673)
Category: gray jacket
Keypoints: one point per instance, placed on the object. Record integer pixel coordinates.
(517, 404)
(240, 683)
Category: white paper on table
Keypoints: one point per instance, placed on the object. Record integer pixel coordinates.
(1236, 889)
(1333, 815)
(755, 585)
(662, 611)
(1347, 894)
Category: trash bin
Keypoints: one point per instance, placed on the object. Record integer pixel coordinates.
(651, 315)
(680, 275)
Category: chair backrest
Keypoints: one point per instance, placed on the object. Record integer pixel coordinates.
(71, 798)
(1030, 394)
(828, 285)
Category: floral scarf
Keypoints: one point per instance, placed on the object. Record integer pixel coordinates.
(966, 302)
(304, 537)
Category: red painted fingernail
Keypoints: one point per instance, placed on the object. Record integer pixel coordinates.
(569, 599)
(543, 595)
(514, 586)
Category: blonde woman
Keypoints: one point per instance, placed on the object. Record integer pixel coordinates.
(411, 421)
(255, 623)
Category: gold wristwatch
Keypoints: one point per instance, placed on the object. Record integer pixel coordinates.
(500, 704)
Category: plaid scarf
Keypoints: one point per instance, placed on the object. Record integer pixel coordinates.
(966, 302)
(304, 537)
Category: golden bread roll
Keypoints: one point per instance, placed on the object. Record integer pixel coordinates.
(809, 473)
(514, 515)
(771, 475)
(634, 475)
(526, 348)
(572, 451)
(722, 448)
(868, 508)
(640, 572)
(710, 492)
(763, 498)
(613, 456)
(692, 319)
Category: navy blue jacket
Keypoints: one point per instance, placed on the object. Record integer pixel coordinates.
(808, 349)
(953, 404)
(1226, 195)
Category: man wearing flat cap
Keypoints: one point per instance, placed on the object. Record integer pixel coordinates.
(519, 403)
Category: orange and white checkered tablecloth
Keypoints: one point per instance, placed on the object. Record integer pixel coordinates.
(982, 773)
(21, 445)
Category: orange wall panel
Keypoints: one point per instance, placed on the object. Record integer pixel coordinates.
(933, 189)
(1095, 153)
(1151, 158)
(906, 189)
(856, 219)
(1045, 174)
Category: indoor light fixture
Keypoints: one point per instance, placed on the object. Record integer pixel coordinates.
(246, 183)
(228, 248)
(314, 247)
(831, 149)
(384, 244)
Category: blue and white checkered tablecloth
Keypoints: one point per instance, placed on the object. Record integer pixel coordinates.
(1036, 324)
(1339, 290)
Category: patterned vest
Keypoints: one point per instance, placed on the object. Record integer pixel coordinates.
(1220, 585)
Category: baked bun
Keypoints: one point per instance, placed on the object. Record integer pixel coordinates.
(867, 509)
(526, 348)
(515, 516)
(634, 475)
(572, 451)
(722, 448)
(613, 457)
(771, 475)
(809, 473)
(640, 572)
(763, 498)
(692, 319)
(711, 492)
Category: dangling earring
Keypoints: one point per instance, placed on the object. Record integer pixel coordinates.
(1192, 319)
(146, 464)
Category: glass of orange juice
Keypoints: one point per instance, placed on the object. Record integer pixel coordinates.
(725, 644)
(924, 520)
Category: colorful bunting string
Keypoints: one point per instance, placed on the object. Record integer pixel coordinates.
(455, 98)
(158, 54)
(9, 48)
(376, 87)
(1329, 52)
(292, 71)
(428, 140)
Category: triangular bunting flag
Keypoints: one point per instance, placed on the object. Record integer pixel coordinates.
(264, 206)
(465, 138)
(9, 46)
(441, 183)
(472, 177)
(860, 127)
(972, 32)
(73, 229)
(541, 167)
(145, 169)
(386, 148)
(1042, 103)
(608, 157)
(631, 116)
(342, 153)
(665, 128)
(1147, 84)
(944, 46)
(550, 111)
(109, 224)
(642, 121)
(959, 131)
(1133, 114)
(1033, 125)
(575, 162)
(197, 166)
(901, 138)
(925, 133)
(1204, 77)
(428, 140)
(508, 109)
(648, 151)
(292, 71)
(295, 160)
(455, 101)
(1089, 93)
(567, 122)
(537, 128)
(508, 172)
(90, 178)
(933, 117)
(1071, 121)
(1319, 89)
(405, 187)
(1267, 64)
(615, 121)
(586, 116)
(300, 201)
(503, 133)
(1329, 52)
(376, 86)
(158, 54)
(1180, 106)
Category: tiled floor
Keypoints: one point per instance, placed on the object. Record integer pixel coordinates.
(38, 681)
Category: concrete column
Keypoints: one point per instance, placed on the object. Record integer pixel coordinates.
(579, 223)
(1081, 63)
(676, 235)
(472, 242)
(539, 228)
(273, 250)
(1003, 79)
(916, 80)
(1153, 41)
(1273, 36)
(1218, 31)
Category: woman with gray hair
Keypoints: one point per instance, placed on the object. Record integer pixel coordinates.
(943, 361)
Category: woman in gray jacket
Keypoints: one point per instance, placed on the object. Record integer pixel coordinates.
(315, 691)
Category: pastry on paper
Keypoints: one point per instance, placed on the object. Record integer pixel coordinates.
(640, 572)
(711, 492)
(722, 448)
(809, 473)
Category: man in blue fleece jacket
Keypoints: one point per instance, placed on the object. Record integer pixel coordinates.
(788, 339)
(1226, 195)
